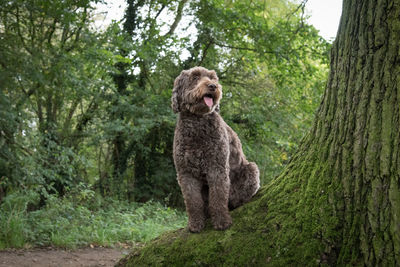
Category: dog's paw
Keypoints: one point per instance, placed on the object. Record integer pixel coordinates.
(196, 226)
(222, 222)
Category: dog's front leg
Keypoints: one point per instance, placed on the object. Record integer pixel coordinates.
(191, 190)
(218, 183)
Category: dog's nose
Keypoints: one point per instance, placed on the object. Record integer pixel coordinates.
(212, 87)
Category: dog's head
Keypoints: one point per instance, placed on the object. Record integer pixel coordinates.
(196, 90)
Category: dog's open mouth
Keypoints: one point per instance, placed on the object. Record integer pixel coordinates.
(208, 99)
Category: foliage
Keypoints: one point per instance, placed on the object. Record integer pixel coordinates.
(81, 219)
(53, 73)
(82, 106)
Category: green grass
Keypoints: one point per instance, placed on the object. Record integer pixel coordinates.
(79, 221)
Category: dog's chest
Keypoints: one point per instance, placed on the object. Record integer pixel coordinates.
(201, 132)
(199, 142)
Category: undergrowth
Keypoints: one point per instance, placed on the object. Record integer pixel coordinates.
(81, 219)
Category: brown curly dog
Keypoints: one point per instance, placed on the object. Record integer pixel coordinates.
(213, 172)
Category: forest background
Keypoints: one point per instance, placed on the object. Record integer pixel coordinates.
(86, 127)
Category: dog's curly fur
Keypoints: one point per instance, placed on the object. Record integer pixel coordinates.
(213, 172)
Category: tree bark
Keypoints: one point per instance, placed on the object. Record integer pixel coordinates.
(338, 200)
(357, 130)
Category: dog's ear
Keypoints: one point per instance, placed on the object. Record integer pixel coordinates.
(179, 85)
(175, 102)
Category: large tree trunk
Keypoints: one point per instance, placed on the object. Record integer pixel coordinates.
(338, 200)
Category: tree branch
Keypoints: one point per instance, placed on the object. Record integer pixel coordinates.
(49, 33)
(20, 34)
(84, 120)
(39, 110)
(71, 112)
(203, 57)
(159, 11)
(236, 47)
(178, 18)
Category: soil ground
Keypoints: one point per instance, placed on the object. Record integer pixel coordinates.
(44, 257)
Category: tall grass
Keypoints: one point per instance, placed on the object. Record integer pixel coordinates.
(79, 221)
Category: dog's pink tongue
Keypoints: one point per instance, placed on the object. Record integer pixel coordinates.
(208, 101)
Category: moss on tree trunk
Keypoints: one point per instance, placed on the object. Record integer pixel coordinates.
(338, 200)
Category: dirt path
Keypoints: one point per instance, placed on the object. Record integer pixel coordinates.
(44, 257)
